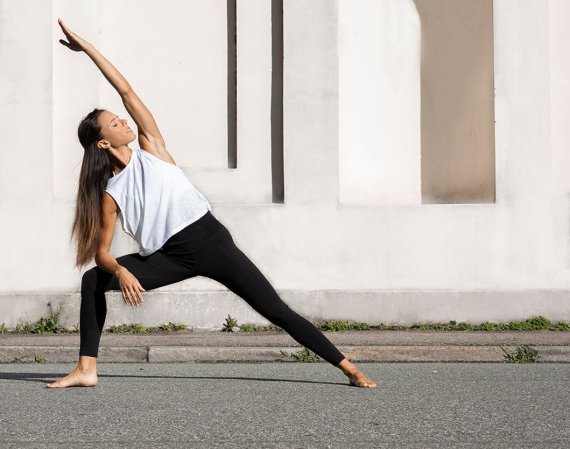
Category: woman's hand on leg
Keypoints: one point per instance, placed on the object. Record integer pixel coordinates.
(130, 287)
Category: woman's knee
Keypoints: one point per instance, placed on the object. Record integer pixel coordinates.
(94, 279)
(89, 279)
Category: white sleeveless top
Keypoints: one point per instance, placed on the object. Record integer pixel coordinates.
(156, 200)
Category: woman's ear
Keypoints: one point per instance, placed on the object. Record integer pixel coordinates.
(103, 145)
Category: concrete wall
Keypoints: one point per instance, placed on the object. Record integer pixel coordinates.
(352, 239)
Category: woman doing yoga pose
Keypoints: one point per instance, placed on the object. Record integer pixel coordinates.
(171, 220)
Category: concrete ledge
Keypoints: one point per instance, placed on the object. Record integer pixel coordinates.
(207, 309)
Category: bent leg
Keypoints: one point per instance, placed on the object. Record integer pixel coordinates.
(153, 271)
(227, 264)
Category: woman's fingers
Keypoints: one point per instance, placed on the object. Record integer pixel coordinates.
(140, 294)
(137, 295)
(75, 42)
(127, 297)
(64, 28)
(131, 288)
(72, 44)
(132, 296)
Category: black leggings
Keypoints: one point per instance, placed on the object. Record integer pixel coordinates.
(203, 248)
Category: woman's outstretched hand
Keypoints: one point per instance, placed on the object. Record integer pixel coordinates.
(75, 42)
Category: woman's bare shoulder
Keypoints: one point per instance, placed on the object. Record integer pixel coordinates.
(156, 148)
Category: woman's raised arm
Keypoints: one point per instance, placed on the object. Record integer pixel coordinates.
(150, 138)
(76, 43)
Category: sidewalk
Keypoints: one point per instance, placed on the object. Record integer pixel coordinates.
(357, 346)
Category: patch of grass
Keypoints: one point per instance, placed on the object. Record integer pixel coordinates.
(45, 325)
(49, 324)
(139, 329)
(560, 326)
(533, 323)
(341, 325)
(530, 324)
(256, 328)
(451, 326)
(23, 328)
(130, 329)
(171, 327)
(523, 354)
(39, 358)
(304, 355)
(229, 324)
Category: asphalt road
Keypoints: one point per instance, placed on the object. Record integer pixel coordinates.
(288, 405)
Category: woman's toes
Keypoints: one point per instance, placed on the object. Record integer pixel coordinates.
(360, 380)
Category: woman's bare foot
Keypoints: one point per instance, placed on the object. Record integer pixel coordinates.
(84, 375)
(360, 380)
(355, 377)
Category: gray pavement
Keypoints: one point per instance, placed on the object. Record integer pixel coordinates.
(357, 346)
(288, 405)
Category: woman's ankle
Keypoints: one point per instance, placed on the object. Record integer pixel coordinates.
(347, 367)
(87, 363)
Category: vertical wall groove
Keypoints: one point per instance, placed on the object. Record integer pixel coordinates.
(457, 77)
(232, 83)
(277, 176)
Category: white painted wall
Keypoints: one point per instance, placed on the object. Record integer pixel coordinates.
(559, 117)
(347, 223)
(379, 102)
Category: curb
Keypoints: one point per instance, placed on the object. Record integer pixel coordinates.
(228, 354)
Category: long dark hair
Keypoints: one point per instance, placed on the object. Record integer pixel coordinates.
(96, 169)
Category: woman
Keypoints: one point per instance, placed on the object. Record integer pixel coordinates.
(169, 218)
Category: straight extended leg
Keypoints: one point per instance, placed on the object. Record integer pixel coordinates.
(227, 264)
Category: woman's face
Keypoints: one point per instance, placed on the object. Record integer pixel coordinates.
(115, 130)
